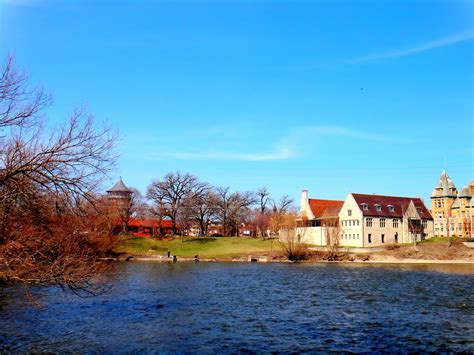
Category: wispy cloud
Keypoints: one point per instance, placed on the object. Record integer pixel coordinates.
(420, 48)
(277, 154)
(293, 144)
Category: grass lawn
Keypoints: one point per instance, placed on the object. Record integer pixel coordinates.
(206, 247)
(436, 240)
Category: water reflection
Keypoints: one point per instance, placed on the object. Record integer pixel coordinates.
(219, 307)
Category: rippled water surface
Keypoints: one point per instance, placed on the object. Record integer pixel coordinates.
(234, 307)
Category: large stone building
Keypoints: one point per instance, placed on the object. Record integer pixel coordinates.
(375, 220)
(453, 211)
(363, 220)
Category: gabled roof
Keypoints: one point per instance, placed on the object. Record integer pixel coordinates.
(465, 192)
(400, 205)
(325, 208)
(119, 187)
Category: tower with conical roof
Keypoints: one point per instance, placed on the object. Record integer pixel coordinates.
(119, 191)
(463, 211)
(120, 197)
(442, 198)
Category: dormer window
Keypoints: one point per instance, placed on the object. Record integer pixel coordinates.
(365, 206)
(378, 207)
(419, 209)
(391, 208)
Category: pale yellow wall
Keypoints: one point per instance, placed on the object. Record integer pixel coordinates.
(445, 209)
(351, 229)
(312, 235)
(357, 234)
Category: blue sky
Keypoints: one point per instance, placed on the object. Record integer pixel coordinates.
(332, 96)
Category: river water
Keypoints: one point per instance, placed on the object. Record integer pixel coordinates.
(239, 307)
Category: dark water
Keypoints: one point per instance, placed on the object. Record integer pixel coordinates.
(226, 307)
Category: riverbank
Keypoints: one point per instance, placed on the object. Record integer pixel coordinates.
(232, 249)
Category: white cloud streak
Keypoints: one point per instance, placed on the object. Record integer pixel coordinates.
(278, 154)
(423, 47)
(290, 146)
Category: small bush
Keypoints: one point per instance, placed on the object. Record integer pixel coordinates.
(295, 251)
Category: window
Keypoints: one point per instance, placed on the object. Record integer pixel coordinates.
(378, 207)
(395, 223)
(349, 213)
(391, 208)
(396, 237)
(368, 222)
(383, 238)
(365, 206)
(369, 237)
(424, 224)
(382, 222)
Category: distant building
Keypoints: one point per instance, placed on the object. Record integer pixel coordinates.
(120, 193)
(375, 220)
(121, 197)
(453, 212)
(318, 219)
(363, 220)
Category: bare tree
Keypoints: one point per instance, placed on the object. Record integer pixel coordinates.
(239, 210)
(233, 209)
(20, 104)
(279, 211)
(53, 228)
(173, 190)
(292, 238)
(263, 219)
(158, 210)
(205, 209)
(127, 208)
(223, 207)
(333, 231)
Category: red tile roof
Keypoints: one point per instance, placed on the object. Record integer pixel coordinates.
(149, 223)
(400, 205)
(325, 208)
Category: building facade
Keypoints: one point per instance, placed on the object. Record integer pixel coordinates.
(453, 211)
(318, 220)
(363, 220)
(377, 220)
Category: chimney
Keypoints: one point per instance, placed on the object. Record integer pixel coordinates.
(304, 202)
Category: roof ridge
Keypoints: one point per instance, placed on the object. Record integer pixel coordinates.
(407, 197)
